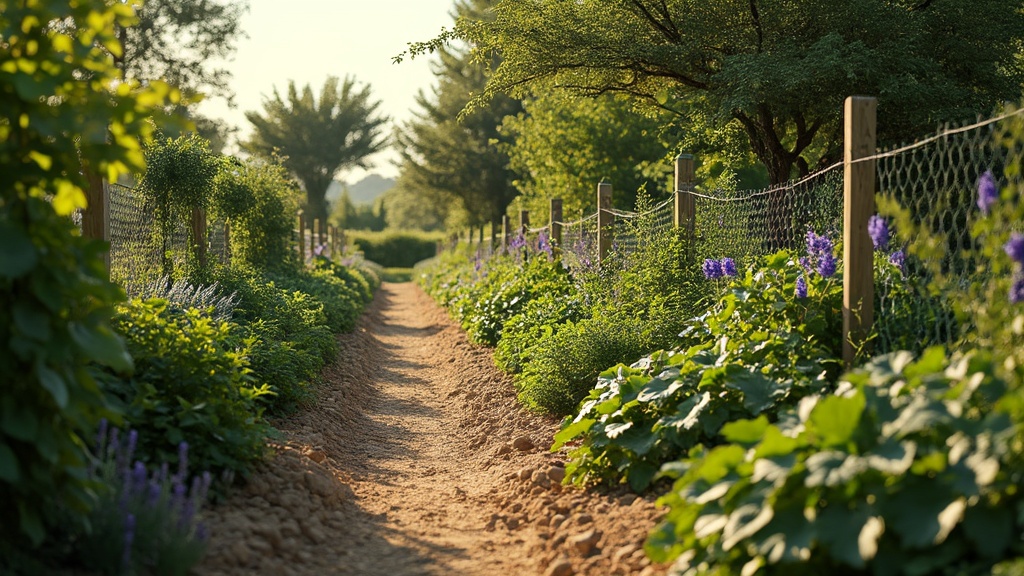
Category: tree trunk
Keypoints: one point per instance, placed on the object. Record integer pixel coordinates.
(316, 199)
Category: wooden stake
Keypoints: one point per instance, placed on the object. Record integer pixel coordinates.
(858, 206)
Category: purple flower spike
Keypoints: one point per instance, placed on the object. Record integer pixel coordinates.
(129, 538)
(101, 437)
(827, 265)
(801, 287)
(805, 263)
(712, 269)
(1015, 247)
(878, 229)
(898, 259)
(728, 267)
(988, 193)
(1017, 291)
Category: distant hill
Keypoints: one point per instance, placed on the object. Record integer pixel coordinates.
(364, 191)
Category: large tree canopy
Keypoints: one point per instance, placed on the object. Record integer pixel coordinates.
(445, 155)
(779, 69)
(318, 138)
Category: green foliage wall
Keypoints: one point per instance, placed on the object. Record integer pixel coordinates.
(395, 249)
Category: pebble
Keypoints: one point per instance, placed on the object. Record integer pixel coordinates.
(583, 544)
(556, 474)
(523, 444)
(560, 567)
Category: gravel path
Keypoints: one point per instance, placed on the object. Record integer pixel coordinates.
(416, 459)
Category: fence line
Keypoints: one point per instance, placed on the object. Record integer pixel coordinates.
(934, 177)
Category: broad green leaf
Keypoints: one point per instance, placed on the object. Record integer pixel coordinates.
(835, 419)
(892, 457)
(833, 468)
(638, 441)
(867, 540)
(921, 414)
(571, 431)
(616, 429)
(31, 321)
(719, 461)
(746, 431)
(688, 412)
(20, 424)
(640, 475)
(775, 443)
(774, 470)
(54, 384)
(788, 537)
(103, 346)
(658, 389)
(839, 529)
(918, 513)
(744, 522)
(758, 390)
(17, 253)
(989, 528)
(30, 522)
(9, 470)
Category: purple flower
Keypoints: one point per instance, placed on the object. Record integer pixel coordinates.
(1017, 291)
(801, 287)
(1015, 247)
(827, 265)
(728, 267)
(712, 269)
(101, 436)
(898, 259)
(805, 263)
(318, 250)
(129, 538)
(878, 229)
(988, 194)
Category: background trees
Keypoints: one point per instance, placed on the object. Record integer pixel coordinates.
(319, 137)
(777, 70)
(455, 156)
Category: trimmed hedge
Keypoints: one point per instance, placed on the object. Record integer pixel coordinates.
(396, 249)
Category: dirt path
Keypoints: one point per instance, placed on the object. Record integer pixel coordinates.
(416, 459)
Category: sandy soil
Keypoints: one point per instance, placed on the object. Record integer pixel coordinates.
(416, 459)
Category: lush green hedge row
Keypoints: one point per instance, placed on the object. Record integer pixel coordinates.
(395, 249)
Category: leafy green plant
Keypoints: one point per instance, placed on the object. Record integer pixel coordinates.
(395, 249)
(906, 470)
(541, 317)
(760, 348)
(192, 384)
(55, 301)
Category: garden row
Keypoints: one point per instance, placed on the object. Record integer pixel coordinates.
(127, 396)
(723, 388)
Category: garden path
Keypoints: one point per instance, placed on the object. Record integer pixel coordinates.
(416, 459)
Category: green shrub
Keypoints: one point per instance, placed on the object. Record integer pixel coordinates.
(395, 249)
(342, 302)
(906, 470)
(541, 318)
(192, 383)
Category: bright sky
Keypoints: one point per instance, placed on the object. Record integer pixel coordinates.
(309, 40)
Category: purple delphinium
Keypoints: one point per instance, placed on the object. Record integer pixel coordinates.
(898, 259)
(712, 269)
(878, 229)
(988, 193)
(819, 251)
(1015, 247)
(801, 287)
(805, 263)
(1017, 290)
(728, 267)
(544, 245)
(827, 266)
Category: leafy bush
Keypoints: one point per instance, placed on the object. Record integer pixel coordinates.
(758, 349)
(906, 470)
(192, 383)
(541, 317)
(342, 302)
(395, 249)
(55, 302)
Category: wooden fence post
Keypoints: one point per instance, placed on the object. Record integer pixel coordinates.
(605, 220)
(506, 226)
(198, 226)
(96, 216)
(524, 222)
(858, 206)
(301, 237)
(685, 206)
(555, 223)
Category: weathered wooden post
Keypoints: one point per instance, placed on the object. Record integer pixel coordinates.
(524, 222)
(555, 223)
(198, 229)
(605, 220)
(96, 216)
(858, 206)
(506, 227)
(685, 205)
(301, 236)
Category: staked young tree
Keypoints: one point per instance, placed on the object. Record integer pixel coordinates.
(319, 137)
(780, 70)
(460, 156)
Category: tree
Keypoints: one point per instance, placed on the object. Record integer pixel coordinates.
(179, 41)
(319, 138)
(779, 69)
(564, 145)
(458, 155)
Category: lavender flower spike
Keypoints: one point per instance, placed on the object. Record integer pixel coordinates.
(1017, 291)
(1015, 247)
(712, 269)
(988, 193)
(898, 259)
(878, 229)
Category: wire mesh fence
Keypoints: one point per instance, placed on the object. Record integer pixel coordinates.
(936, 182)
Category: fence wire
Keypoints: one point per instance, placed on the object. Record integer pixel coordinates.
(936, 182)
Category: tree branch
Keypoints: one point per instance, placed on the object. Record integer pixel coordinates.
(757, 24)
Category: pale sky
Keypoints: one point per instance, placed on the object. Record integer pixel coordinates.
(309, 40)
